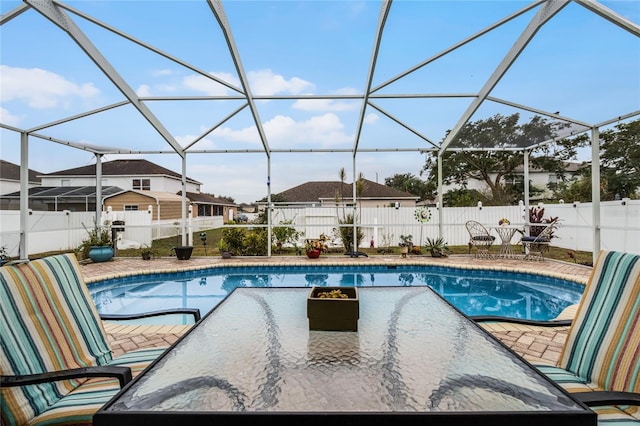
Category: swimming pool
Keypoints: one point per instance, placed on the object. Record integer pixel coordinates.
(473, 291)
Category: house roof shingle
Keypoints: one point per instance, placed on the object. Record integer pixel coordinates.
(10, 171)
(129, 167)
(201, 198)
(313, 192)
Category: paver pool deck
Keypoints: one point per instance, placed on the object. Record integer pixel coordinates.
(535, 344)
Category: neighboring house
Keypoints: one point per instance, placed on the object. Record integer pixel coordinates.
(163, 205)
(57, 198)
(135, 174)
(326, 193)
(538, 178)
(208, 205)
(126, 185)
(10, 177)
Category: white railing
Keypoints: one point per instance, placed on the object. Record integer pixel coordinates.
(62, 231)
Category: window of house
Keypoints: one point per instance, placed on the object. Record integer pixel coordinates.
(142, 184)
(65, 182)
(514, 180)
(130, 207)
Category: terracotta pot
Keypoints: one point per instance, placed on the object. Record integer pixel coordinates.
(313, 254)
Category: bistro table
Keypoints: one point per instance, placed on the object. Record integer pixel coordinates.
(415, 359)
(506, 233)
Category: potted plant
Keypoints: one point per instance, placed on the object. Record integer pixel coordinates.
(438, 247)
(146, 251)
(333, 308)
(224, 249)
(314, 248)
(406, 244)
(4, 255)
(98, 245)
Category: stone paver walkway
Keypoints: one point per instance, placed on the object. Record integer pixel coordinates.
(535, 344)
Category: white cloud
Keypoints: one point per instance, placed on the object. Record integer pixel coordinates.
(265, 82)
(326, 105)
(203, 143)
(284, 132)
(143, 90)
(210, 87)
(371, 118)
(162, 72)
(9, 119)
(39, 88)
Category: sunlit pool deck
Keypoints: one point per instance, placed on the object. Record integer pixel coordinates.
(536, 344)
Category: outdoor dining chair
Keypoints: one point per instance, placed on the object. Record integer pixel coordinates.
(600, 361)
(536, 245)
(56, 363)
(480, 238)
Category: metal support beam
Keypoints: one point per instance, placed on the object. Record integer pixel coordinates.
(98, 189)
(546, 12)
(269, 208)
(23, 251)
(440, 198)
(384, 12)
(595, 191)
(60, 18)
(218, 10)
(184, 200)
(610, 15)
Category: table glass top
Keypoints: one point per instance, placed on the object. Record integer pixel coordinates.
(412, 352)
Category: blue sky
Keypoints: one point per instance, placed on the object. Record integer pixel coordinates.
(578, 64)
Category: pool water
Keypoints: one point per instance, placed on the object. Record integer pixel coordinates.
(474, 292)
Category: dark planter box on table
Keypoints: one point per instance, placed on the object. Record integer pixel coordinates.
(333, 314)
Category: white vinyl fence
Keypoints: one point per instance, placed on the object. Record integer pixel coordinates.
(62, 231)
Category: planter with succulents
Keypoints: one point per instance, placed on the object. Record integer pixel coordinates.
(333, 308)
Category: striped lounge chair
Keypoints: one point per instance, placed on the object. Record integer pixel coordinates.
(55, 361)
(600, 362)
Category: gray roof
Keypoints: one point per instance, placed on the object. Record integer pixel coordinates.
(201, 198)
(313, 192)
(130, 167)
(10, 171)
(65, 192)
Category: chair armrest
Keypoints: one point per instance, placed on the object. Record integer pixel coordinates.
(115, 317)
(123, 374)
(495, 318)
(598, 398)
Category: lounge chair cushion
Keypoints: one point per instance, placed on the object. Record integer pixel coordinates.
(602, 344)
(608, 414)
(530, 239)
(79, 406)
(483, 238)
(51, 324)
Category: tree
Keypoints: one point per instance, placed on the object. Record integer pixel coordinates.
(492, 167)
(620, 159)
(619, 167)
(407, 182)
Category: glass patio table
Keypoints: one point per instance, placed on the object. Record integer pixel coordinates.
(415, 359)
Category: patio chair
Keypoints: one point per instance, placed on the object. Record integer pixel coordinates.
(55, 359)
(600, 361)
(480, 238)
(536, 245)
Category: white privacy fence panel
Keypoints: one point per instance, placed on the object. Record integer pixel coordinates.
(620, 225)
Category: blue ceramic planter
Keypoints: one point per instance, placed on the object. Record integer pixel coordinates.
(101, 253)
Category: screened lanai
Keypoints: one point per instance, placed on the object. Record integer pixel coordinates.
(251, 98)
